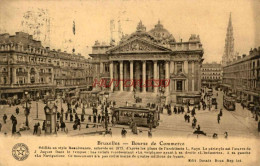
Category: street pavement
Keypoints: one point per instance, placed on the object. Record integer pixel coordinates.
(237, 123)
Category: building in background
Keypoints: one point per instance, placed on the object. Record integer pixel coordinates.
(242, 76)
(150, 55)
(211, 74)
(25, 65)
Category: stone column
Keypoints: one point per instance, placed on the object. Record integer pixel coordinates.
(144, 76)
(111, 76)
(29, 76)
(192, 74)
(101, 67)
(131, 75)
(186, 67)
(167, 75)
(171, 67)
(14, 76)
(155, 74)
(121, 75)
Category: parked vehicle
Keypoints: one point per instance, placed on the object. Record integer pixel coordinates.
(250, 106)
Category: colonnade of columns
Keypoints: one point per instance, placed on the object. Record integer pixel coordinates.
(145, 71)
(134, 70)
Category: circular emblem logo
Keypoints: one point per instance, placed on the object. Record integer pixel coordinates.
(20, 151)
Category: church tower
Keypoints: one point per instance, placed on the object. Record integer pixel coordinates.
(229, 44)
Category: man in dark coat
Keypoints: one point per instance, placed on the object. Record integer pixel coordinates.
(14, 125)
(123, 132)
(35, 128)
(58, 115)
(82, 118)
(175, 110)
(71, 117)
(43, 125)
(17, 110)
(188, 118)
(62, 126)
(218, 118)
(220, 112)
(185, 117)
(94, 118)
(76, 116)
(99, 118)
(66, 115)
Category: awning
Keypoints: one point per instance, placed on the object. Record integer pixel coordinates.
(252, 93)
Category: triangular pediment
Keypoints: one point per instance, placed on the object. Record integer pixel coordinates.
(137, 45)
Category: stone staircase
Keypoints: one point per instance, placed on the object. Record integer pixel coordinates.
(122, 97)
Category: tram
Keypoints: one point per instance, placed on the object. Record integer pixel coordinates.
(140, 116)
(229, 103)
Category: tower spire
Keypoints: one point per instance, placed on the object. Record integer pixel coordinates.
(229, 44)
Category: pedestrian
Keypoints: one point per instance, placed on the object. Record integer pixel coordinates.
(62, 126)
(17, 110)
(62, 111)
(58, 115)
(0, 126)
(35, 128)
(76, 116)
(220, 112)
(150, 134)
(71, 117)
(188, 118)
(79, 124)
(256, 117)
(194, 120)
(4, 118)
(123, 132)
(185, 117)
(57, 126)
(198, 128)
(215, 136)
(43, 125)
(99, 118)
(66, 115)
(218, 118)
(226, 134)
(14, 121)
(175, 110)
(82, 118)
(94, 118)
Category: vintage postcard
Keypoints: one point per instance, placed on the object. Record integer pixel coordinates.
(129, 82)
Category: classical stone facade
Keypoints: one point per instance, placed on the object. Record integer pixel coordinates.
(26, 65)
(154, 55)
(211, 74)
(242, 76)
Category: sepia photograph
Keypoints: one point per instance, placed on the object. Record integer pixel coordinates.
(150, 77)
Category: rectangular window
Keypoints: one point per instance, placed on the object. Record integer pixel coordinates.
(179, 67)
(179, 85)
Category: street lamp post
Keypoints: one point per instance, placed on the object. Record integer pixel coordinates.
(27, 108)
(106, 94)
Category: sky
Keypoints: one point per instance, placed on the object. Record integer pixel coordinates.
(207, 18)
